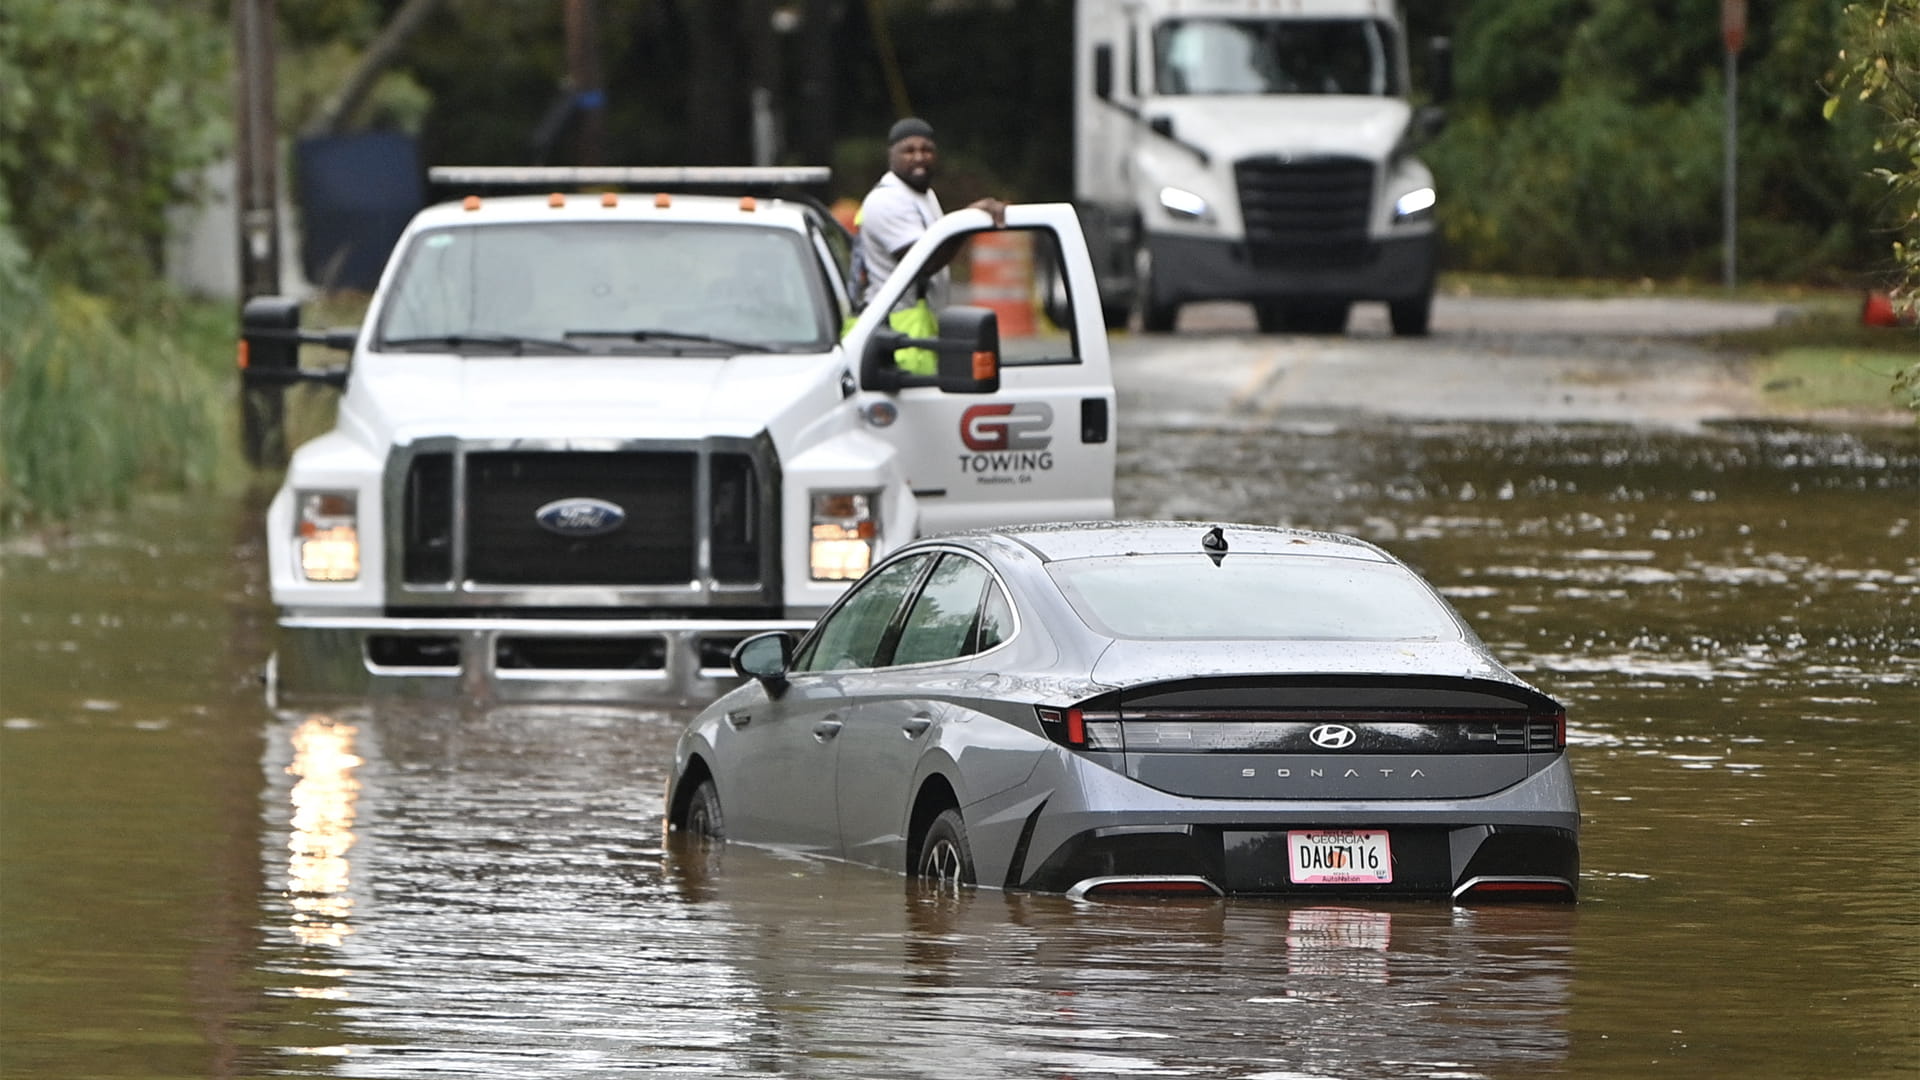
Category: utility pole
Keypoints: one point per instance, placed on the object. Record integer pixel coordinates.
(256, 189)
(256, 179)
(583, 79)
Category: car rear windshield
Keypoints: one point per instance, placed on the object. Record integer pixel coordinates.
(1249, 596)
(611, 287)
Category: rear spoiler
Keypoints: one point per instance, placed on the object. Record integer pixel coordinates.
(733, 179)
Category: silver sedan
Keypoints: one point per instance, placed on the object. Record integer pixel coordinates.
(1143, 707)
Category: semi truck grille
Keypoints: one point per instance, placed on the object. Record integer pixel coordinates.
(1305, 212)
(657, 541)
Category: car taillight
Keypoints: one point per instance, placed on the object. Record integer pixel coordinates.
(1081, 728)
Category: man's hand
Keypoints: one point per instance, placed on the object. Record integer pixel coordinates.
(994, 207)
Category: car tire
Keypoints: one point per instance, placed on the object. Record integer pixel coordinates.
(946, 862)
(703, 818)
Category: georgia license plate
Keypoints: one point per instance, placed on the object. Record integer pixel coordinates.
(1339, 857)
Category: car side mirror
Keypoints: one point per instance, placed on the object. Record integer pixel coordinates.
(967, 355)
(767, 657)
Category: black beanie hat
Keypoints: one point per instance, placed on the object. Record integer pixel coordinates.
(906, 129)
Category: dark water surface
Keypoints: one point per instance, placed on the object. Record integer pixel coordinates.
(193, 886)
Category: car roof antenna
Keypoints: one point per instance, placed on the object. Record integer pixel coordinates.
(1215, 542)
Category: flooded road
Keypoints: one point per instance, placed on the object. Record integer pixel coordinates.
(193, 886)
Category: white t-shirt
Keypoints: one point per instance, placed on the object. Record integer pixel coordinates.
(892, 217)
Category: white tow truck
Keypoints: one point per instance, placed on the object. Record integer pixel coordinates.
(1257, 150)
(589, 441)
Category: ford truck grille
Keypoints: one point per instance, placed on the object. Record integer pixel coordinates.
(1305, 213)
(471, 522)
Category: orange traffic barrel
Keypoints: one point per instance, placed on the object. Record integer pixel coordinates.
(1003, 278)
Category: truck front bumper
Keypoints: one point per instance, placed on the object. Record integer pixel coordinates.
(629, 661)
(1188, 269)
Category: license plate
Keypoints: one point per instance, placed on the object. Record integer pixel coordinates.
(1337, 857)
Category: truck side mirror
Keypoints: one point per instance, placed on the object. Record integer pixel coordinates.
(1103, 71)
(967, 355)
(270, 338)
(969, 350)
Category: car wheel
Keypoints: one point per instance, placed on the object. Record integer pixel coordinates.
(1156, 315)
(946, 862)
(703, 818)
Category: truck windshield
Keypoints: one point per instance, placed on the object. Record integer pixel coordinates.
(673, 287)
(1275, 56)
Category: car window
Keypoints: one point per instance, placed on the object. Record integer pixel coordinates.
(996, 619)
(1251, 596)
(851, 634)
(940, 624)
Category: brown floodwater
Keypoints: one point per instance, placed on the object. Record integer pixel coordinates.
(192, 885)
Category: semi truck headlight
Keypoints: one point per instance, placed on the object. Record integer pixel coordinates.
(844, 528)
(1414, 204)
(327, 535)
(1184, 204)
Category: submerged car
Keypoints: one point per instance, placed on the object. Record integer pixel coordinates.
(1100, 708)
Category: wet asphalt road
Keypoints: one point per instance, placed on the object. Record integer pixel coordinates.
(1614, 361)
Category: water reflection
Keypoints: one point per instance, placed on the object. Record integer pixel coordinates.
(321, 829)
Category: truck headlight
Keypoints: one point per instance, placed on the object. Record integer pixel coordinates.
(1414, 205)
(327, 535)
(1183, 204)
(844, 528)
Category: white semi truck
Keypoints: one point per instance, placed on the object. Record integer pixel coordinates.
(1257, 150)
(589, 441)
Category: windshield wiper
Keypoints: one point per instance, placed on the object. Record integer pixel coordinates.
(516, 342)
(671, 335)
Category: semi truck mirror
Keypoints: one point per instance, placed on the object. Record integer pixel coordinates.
(1103, 71)
(1440, 56)
(969, 350)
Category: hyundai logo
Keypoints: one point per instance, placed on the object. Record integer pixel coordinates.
(580, 517)
(1332, 736)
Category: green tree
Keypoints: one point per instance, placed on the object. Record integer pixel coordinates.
(1879, 66)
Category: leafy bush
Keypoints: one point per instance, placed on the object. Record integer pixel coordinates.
(1880, 66)
(91, 410)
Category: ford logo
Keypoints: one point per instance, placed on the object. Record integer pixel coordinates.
(578, 517)
(1332, 736)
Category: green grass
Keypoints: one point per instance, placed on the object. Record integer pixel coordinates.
(1825, 379)
(1825, 360)
(98, 403)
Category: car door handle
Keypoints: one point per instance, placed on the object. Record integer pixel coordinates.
(739, 719)
(917, 726)
(826, 729)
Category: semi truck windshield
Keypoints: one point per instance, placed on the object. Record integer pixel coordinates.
(1275, 56)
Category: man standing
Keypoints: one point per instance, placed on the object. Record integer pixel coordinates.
(894, 215)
